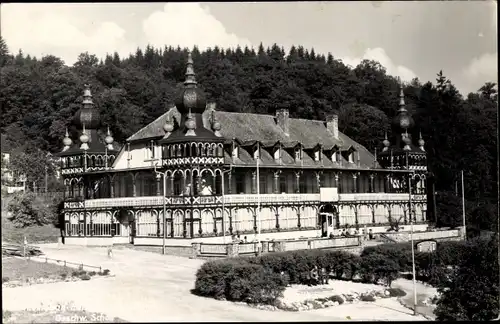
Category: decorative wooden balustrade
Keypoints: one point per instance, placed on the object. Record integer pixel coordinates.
(250, 199)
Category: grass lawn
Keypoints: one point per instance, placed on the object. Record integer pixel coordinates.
(53, 316)
(21, 269)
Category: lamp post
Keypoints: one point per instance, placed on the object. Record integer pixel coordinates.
(158, 176)
(224, 205)
(410, 178)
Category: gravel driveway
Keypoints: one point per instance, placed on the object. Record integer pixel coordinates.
(152, 287)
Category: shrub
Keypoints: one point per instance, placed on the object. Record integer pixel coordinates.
(84, 277)
(375, 267)
(340, 263)
(64, 275)
(105, 272)
(337, 298)
(238, 280)
(367, 298)
(78, 273)
(92, 273)
(400, 252)
(5, 279)
(396, 292)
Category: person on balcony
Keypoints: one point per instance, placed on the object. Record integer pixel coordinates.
(206, 190)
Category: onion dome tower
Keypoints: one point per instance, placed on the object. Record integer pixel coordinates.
(90, 152)
(190, 103)
(400, 152)
(402, 123)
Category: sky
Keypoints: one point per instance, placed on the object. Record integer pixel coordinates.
(410, 39)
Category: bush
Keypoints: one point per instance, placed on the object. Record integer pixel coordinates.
(238, 280)
(5, 279)
(396, 292)
(92, 273)
(399, 252)
(78, 273)
(84, 277)
(375, 267)
(342, 264)
(367, 298)
(64, 275)
(337, 298)
(105, 272)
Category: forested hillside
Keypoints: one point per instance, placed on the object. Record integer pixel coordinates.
(39, 97)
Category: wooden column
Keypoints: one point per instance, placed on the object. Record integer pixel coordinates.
(230, 220)
(254, 182)
(276, 182)
(158, 181)
(170, 190)
(356, 221)
(389, 212)
(134, 187)
(229, 188)
(318, 181)
(112, 186)
(298, 218)
(297, 181)
(158, 224)
(372, 184)
(355, 182)
(277, 219)
(214, 184)
(388, 183)
(373, 213)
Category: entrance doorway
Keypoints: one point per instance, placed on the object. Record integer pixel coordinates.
(327, 220)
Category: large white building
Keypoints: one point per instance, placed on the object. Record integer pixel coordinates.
(307, 177)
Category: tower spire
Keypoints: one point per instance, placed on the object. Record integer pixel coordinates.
(87, 97)
(401, 97)
(190, 81)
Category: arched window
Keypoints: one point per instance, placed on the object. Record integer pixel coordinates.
(210, 151)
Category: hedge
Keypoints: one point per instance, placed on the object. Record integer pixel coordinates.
(263, 279)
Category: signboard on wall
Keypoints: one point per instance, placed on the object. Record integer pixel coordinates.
(427, 246)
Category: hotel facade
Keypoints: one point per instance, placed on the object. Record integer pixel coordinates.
(199, 173)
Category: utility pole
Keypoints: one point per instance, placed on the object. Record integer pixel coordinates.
(46, 178)
(463, 206)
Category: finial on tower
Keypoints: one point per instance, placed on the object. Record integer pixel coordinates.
(67, 141)
(407, 141)
(386, 143)
(421, 141)
(401, 97)
(190, 75)
(87, 96)
(109, 140)
(84, 139)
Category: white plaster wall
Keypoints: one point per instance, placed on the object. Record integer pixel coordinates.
(138, 157)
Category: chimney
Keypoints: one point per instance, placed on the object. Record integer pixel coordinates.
(332, 124)
(283, 120)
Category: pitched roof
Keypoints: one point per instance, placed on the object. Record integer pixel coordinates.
(248, 128)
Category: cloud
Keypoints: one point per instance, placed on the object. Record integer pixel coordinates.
(186, 25)
(378, 54)
(42, 29)
(483, 68)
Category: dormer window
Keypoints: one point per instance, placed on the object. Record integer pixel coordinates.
(334, 156)
(277, 153)
(235, 152)
(350, 157)
(317, 154)
(256, 152)
(298, 154)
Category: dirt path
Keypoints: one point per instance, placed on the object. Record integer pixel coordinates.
(152, 287)
(423, 292)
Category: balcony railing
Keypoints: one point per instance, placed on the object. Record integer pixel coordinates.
(233, 199)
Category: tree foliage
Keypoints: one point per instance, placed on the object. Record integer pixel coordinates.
(27, 210)
(472, 292)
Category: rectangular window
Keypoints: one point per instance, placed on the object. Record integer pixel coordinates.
(277, 152)
(263, 183)
(298, 155)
